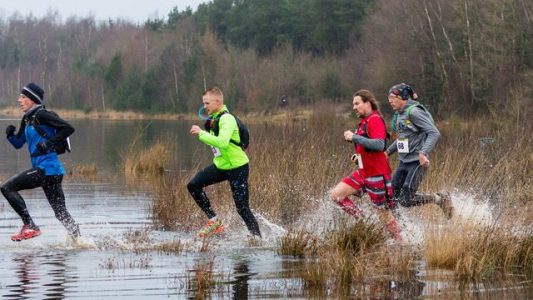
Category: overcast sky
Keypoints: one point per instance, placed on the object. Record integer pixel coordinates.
(136, 11)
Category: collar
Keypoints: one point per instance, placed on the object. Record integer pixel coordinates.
(223, 109)
(32, 111)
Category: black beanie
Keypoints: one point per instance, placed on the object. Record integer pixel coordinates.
(34, 92)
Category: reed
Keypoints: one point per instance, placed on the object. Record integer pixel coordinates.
(299, 243)
(87, 171)
(173, 207)
(202, 279)
(172, 247)
(479, 252)
(151, 161)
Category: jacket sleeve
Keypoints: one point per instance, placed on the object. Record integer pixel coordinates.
(18, 139)
(227, 125)
(377, 133)
(421, 119)
(51, 119)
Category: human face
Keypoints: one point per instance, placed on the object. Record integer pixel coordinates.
(360, 107)
(396, 102)
(212, 103)
(25, 103)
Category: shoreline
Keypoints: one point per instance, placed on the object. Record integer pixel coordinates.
(13, 111)
(73, 114)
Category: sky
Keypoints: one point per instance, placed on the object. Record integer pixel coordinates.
(136, 11)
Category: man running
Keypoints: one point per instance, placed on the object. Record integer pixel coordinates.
(42, 130)
(417, 135)
(229, 163)
(374, 173)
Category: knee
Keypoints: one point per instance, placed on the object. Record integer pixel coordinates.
(191, 186)
(335, 196)
(243, 210)
(5, 188)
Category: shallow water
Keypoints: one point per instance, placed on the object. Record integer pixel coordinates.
(105, 263)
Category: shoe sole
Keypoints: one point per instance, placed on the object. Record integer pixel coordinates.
(219, 230)
(21, 238)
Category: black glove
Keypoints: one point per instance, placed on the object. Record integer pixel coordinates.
(43, 147)
(10, 130)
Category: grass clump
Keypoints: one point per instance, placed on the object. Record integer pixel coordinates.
(478, 252)
(298, 244)
(151, 161)
(87, 171)
(172, 247)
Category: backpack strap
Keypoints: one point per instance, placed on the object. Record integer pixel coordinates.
(387, 135)
(216, 128)
(33, 121)
(408, 110)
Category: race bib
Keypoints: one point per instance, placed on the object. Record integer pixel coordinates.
(356, 158)
(403, 145)
(216, 151)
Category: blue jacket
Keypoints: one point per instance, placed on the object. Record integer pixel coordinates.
(55, 127)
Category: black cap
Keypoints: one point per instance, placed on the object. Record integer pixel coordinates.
(34, 92)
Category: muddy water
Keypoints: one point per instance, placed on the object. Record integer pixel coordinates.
(106, 264)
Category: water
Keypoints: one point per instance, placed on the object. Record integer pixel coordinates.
(106, 264)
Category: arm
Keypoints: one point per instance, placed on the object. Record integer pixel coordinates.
(377, 133)
(51, 119)
(227, 125)
(421, 119)
(393, 147)
(368, 143)
(18, 140)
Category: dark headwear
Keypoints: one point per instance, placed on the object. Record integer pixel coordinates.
(403, 90)
(34, 92)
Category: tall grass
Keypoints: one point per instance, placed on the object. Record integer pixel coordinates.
(151, 161)
(345, 258)
(479, 252)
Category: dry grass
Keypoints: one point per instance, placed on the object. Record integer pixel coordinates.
(345, 258)
(173, 247)
(204, 282)
(114, 263)
(107, 115)
(173, 207)
(298, 243)
(149, 162)
(88, 171)
(479, 252)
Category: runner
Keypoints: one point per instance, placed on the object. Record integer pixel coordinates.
(417, 135)
(374, 173)
(229, 163)
(47, 171)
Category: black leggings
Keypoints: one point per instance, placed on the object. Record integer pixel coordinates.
(238, 180)
(405, 182)
(51, 185)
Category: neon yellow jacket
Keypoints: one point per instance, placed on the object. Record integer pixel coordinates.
(228, 156)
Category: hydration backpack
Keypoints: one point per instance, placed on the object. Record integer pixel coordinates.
(408, 110)
(61, 147)
(387, 134)
(244, 133)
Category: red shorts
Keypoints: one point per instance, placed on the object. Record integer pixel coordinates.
(379, 188)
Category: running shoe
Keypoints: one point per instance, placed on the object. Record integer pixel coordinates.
(394, 229)
(27, 232)
(212, 227)
(444, 201)
(350, 208)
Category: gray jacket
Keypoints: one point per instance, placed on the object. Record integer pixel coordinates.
(420, 132)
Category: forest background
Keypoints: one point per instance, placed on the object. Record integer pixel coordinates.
(464, 57)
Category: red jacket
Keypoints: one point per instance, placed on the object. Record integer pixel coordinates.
(374, 162)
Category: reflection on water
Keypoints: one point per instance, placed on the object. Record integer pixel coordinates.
(105, 265)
